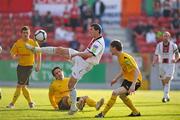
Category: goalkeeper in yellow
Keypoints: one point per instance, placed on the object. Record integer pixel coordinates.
(132, 79)
(59, 94)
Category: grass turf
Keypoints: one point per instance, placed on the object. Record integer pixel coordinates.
(147, 102)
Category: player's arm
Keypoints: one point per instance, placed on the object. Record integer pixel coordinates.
(95, 49)
(13, 52)
(38, 59)
(176, 52)
(136, 73)
(177, 56)
(155, 59)
(156, 55)
(116, 78)
(83, 54)
(52, 98)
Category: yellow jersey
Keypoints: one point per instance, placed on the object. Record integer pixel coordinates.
(26, 57)
(57, 90)
(128, 65)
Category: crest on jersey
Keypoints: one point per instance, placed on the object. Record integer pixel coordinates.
(95, 47)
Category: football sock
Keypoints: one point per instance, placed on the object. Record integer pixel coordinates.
(16, 94)
(73, 97)
(128, 103)
(90, 102)
(26, 94)
(47, 50)
(166, 90)
(109, 104)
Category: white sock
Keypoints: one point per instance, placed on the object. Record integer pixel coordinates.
(47, 50)
(166, 90)
(73, 98)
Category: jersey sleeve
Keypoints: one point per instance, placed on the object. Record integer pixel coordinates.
(14, 50)
(52, 97)
(96, 48)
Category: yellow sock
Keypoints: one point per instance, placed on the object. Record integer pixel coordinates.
(109, 104)
(90, 102)
(128, 103)
(26, 94)
(16, 94)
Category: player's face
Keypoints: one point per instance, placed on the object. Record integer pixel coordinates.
(58, 74)
(92, 31)
(112, 49)
(166, 36)
(25, 34)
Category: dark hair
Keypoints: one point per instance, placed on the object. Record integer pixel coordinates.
(97, 27)
(24, 28)
(117, 45)
(54, 70)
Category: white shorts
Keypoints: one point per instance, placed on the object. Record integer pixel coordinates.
(166, 70)
(80, 66)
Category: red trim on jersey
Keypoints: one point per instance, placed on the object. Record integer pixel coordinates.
(166, 48)
(92, 41)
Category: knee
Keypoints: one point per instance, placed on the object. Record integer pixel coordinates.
(114, 93)
(123, 97)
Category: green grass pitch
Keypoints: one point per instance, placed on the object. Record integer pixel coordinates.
(148, 102)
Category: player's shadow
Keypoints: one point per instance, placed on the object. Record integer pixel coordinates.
(146, 115)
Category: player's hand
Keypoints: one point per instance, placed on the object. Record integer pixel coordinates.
(113, 82)
(16, 57)
(132, 89)
(37, 69)
(173, 61)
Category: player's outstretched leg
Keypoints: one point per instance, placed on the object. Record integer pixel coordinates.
(62, 51)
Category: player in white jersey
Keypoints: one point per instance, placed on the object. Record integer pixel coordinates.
(82, 61)
(166, 55)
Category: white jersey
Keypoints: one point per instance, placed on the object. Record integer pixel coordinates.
(96, 47)
(166, 52)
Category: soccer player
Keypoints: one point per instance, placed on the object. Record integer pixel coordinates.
(166, 55)
(59, 93)
(26, 60)
(132, 80)
(82, 61)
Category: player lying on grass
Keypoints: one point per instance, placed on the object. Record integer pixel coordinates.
(59, 94)
(131, 80)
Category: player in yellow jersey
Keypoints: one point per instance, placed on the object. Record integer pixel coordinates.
(26, 60)
(132, 79)
(59, 93)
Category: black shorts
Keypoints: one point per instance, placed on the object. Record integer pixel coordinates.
(23, 74)
(127, 84)
(63, 104)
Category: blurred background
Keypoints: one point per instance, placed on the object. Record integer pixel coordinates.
(138, 24)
